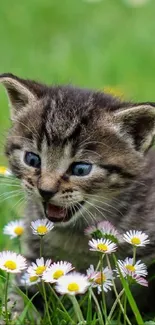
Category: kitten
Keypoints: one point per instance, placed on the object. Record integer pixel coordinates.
(82, 156)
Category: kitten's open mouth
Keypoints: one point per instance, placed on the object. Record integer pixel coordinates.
(60, 214)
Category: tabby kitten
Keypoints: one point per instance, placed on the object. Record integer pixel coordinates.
(82, 156)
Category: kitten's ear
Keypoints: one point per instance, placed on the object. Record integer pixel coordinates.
(139, 123)
(19, 92)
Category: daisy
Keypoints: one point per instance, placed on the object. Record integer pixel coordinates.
(108, 231)
(102, 245)
(12, 262)
(41, 227)
(127, 267)
(99, 279)
(140, 280)
(72, 284)
(92, 231)
(14, 228)
(56, 271)
(136, 238)
(39, 267)
(5, 171)
(29, 279)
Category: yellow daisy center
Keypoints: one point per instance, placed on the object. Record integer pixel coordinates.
(130, 267)
(135, 241)
(19, 230)
(57, 274)
(3, 170)
(11, 265)
(33, 278)
(100, 279)
(73, 287)
(102, 247)
(42, 230)
(40, 269)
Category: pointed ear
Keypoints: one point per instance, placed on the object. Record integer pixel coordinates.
(19, 92)
(138, 122)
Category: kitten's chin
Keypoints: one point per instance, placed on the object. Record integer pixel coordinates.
(59, 214)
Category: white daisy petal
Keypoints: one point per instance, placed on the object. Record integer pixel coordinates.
(128, 268)
(72, 284)
(29, 279)
(107, 229)
(100, 279)
(140, 280)
(57, 270)
(136, 238)
(104, 246)
(14, 228)
(39, 267)
(41, 227)
(12, 262)
(89, 231)
(103, 229)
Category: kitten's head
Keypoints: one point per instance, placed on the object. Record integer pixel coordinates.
(73, 149)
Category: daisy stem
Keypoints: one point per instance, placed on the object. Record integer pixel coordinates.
(77, 309)
(103, 295)
(99, 262)
(60, 303)
(116, 293)
(98, 308)
(19, 246)
(134, 255)
(41, 246)
(125, 303)
(114, 306)
(6, 298)
(46, 304)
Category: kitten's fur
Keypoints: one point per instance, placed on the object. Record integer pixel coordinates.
(63, 124)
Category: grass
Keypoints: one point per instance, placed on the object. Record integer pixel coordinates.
(94, 45)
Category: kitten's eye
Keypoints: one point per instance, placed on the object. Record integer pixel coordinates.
(81, 169)
(32, 159)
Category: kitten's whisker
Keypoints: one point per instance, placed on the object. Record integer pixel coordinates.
(94, 206)
(83, 216)
(101, 208)
(30, 130)
(10, 192)
(11, 185)
(33, 128)
(104, 198)
(85, 140)
(95, 142)
(21, 200)
(21, 137)
(10, 197)
(92, 151)
(89, 213)
(109, 205)
(138, 182)
(84, 208)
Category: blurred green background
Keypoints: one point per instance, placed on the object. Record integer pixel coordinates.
(88, 43)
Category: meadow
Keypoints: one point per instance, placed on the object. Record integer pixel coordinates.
(91, 44)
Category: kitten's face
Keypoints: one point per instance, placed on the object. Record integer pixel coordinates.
(70, 150)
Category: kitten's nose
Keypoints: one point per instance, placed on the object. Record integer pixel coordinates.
(47, 195)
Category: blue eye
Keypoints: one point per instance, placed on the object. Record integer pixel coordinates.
(32, 159)
(81, 169)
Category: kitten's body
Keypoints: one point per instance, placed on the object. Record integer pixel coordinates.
(64, 126)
